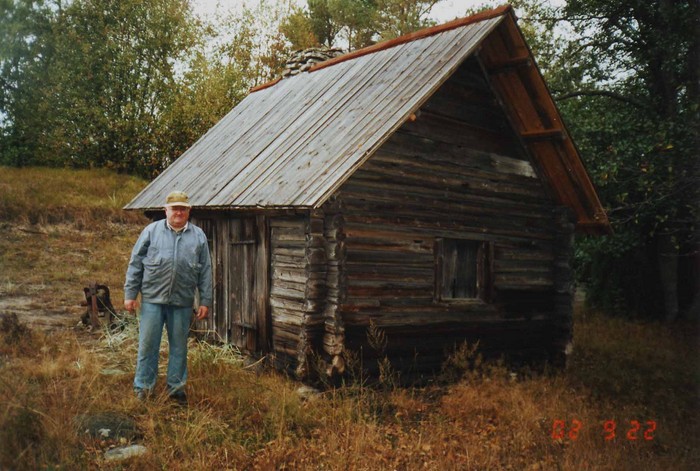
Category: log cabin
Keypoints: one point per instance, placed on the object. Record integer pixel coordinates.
(423, 188)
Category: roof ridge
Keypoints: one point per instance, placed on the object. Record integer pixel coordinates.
(420, 34)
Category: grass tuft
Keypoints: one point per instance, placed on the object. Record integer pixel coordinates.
(17, 338)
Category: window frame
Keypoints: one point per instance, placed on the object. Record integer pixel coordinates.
(483, 267)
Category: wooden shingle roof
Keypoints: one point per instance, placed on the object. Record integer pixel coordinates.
(293, 142)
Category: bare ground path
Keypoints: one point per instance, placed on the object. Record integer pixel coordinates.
(34, 313)
(44, 268)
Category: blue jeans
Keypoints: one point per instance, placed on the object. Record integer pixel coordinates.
(177, 323)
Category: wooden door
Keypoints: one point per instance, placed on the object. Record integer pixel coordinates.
(241, 283)
(240, 258)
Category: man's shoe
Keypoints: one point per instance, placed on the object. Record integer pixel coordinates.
(179, 397)
(141, 394)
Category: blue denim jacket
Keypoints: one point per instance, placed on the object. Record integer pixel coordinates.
(166, 266)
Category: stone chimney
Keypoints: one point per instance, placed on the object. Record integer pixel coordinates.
(302, 60)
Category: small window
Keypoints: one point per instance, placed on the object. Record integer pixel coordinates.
(463, 270)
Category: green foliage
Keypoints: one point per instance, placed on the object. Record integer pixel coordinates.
(245, 48)
(251, 42)
(297, 28)
(87, 83)
(130, 85)
(398, 17)
(626, 81)
(356, 23)
(356, 20)
(619, 274)
(322, 21)
(207, 90)
(121, 80)
(25, 29)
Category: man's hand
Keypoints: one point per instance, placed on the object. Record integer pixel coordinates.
(202, 312)
(131, 305)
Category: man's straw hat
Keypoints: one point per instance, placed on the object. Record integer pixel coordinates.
(177, 198)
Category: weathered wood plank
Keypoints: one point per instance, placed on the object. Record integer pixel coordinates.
(197, 161)
(292, 252)
(368, 189)
(459, 133)
(505, 224)
(408, 149)
(469, 105)
(442, 181)
(455, 228)
(292, 143)
(249, 138)
(292, 224)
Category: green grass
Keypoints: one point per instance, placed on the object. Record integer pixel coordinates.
(47, 196)
(238, 419)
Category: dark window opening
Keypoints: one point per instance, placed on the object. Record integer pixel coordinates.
(463, 270)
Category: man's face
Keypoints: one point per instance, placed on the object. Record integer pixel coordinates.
(177, 215)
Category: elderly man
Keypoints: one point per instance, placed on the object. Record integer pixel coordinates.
(168, 263)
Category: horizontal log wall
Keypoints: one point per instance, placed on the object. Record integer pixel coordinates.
(457, 171)
(288, 280)
(315, 293)
(333, 340)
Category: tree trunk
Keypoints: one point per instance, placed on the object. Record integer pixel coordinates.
(667, 254)
(694, 310)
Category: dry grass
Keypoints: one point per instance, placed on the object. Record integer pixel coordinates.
(52, 263)
(240, 419)
(63, 229)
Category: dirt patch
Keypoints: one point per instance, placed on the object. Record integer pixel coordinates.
(35, 315)
(108, 426)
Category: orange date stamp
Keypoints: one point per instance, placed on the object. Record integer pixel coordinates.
(631, 430)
